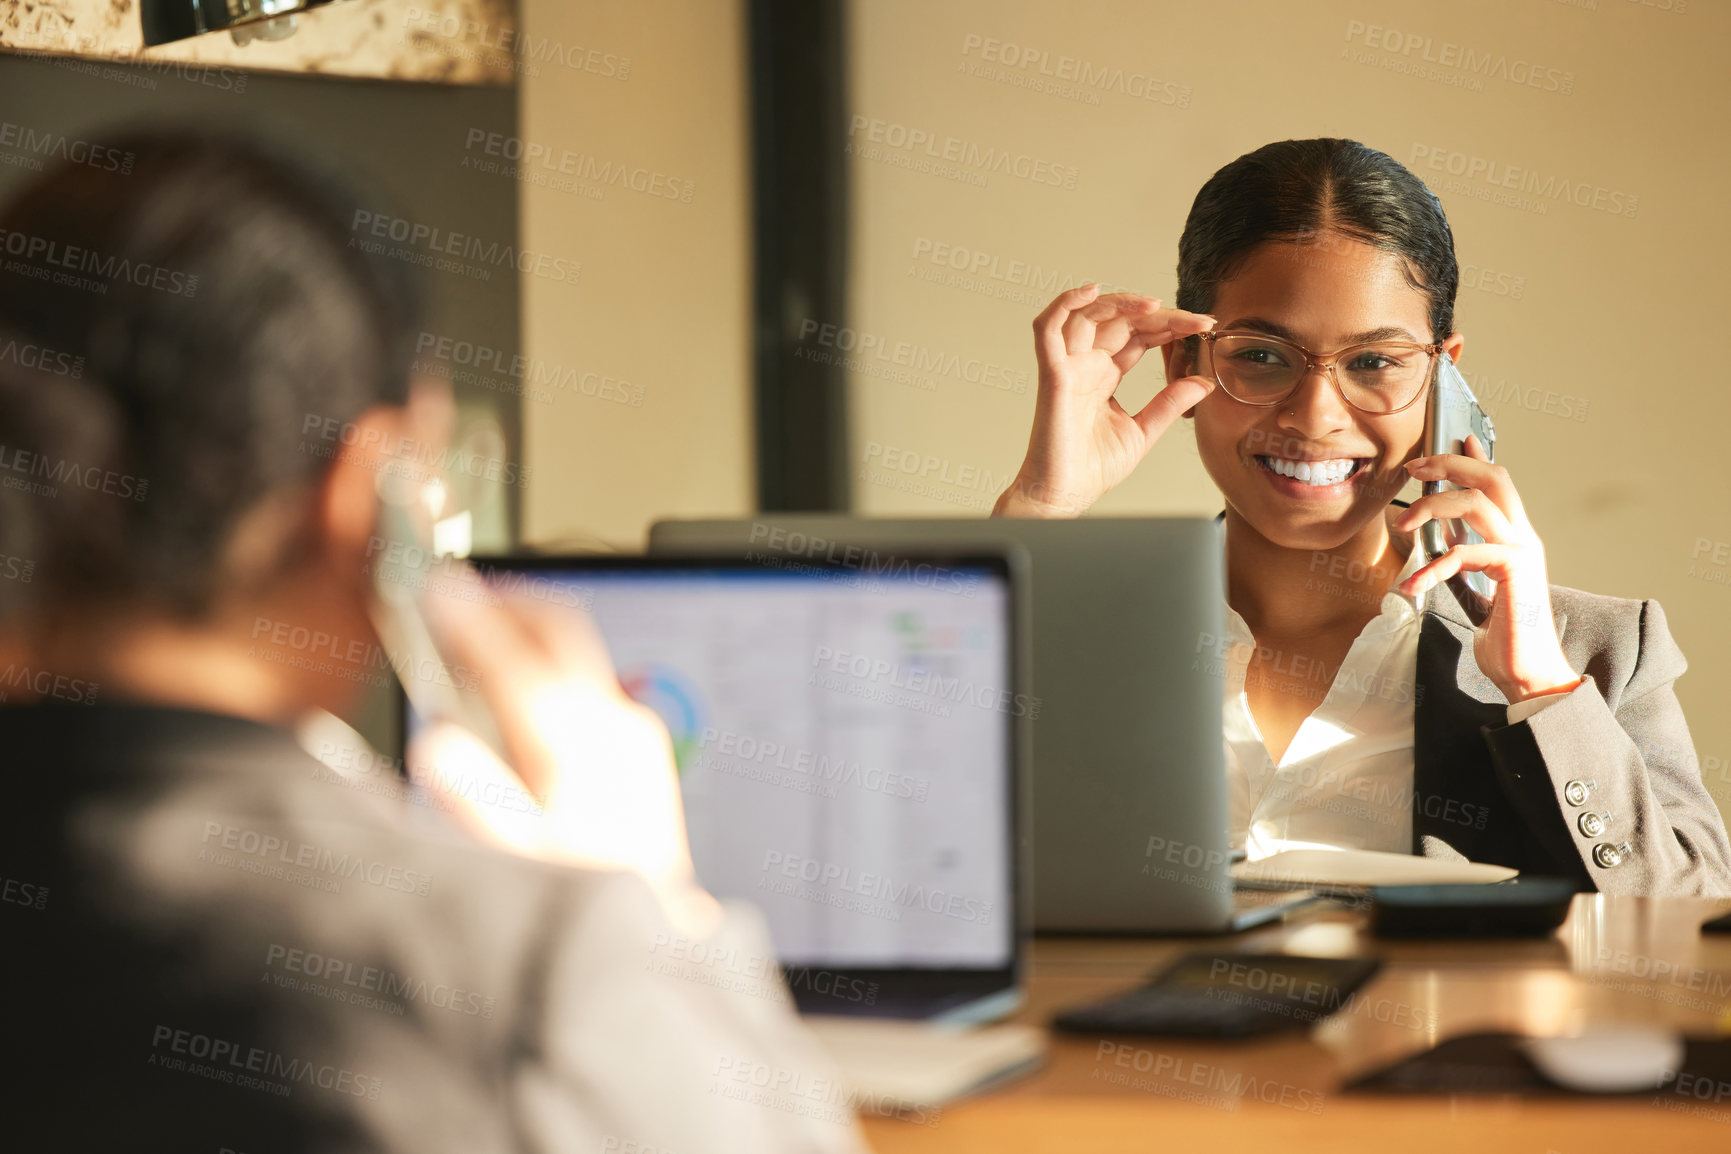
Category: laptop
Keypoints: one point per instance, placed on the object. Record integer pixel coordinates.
(1129, 790)
(850, 748)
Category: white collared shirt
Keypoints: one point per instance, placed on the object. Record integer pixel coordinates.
(1346, 780)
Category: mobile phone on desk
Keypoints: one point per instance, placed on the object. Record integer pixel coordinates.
(1522, 907)
(1226, 995)
(1455, 414)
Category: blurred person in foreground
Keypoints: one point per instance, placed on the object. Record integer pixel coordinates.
(214, 940)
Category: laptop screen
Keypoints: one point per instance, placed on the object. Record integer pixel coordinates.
(844, 743)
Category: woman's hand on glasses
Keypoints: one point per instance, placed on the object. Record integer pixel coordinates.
(1517, 647)
(1084, 442)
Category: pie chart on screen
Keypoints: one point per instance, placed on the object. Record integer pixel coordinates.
(673, 699)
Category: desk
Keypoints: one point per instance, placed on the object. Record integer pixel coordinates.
(1615, 959)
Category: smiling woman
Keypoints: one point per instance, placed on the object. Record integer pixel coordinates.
(1316, 287)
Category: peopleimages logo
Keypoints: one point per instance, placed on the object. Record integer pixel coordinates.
(1485, 178)
(42, 359)
(366, 662)
(30, 895)
(975, 267)
(920, 680)
(742, 755)
(51, 261)
(534, 377)
(912, 463)
(1070, 77)
(797, 1092)
(866, 132)
(46, 683)
(230, 80)
(514, 156)
(270, 849)
(433, 247)
(792, 542)
(1189, 1080)
(328, 976)
(419, 459)
(54, 472)
(861, 348)
(58, 146)
(223, 1060)
(531, 49)
(1488, 64)
(754, 973)
(832, 879)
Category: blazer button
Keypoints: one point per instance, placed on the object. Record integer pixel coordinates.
(1575, 792)
(1593, 824)
(1610, 856)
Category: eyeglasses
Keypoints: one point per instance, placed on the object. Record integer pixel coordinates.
(1382, 377)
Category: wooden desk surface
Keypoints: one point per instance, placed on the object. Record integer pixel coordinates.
(1614, 960)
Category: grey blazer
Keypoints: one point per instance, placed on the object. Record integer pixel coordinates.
(214, 942)
(1602, 787)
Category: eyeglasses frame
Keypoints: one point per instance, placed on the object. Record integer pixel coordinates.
(1325, 362)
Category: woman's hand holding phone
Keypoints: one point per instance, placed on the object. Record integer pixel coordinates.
(1517, 647)
(1084, 442)
(600, 765)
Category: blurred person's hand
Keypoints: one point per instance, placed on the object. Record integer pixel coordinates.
(600, 764)
(1084, 442)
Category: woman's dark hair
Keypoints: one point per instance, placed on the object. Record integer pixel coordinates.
(184, 318)
(1303, 189)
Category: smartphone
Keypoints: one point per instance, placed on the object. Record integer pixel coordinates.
(1454, 414)
(1227, 995)
(405, 563)
(1523, 907)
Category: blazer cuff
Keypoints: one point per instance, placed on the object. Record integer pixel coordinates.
(1577, 779)
(1521, 710)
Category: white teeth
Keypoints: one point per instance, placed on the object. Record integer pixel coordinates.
(1313, 473)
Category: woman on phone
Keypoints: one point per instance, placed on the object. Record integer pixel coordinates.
(1316, 287)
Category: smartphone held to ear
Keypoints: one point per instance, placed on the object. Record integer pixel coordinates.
(1454, 414)
(404, 567)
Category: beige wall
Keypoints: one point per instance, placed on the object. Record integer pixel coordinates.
(652, 340)
(1618, 316)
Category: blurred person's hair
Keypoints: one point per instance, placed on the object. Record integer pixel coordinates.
(1307, 191)
(200, 391)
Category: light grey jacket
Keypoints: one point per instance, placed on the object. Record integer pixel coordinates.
(213, 943)
(1616, 747)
